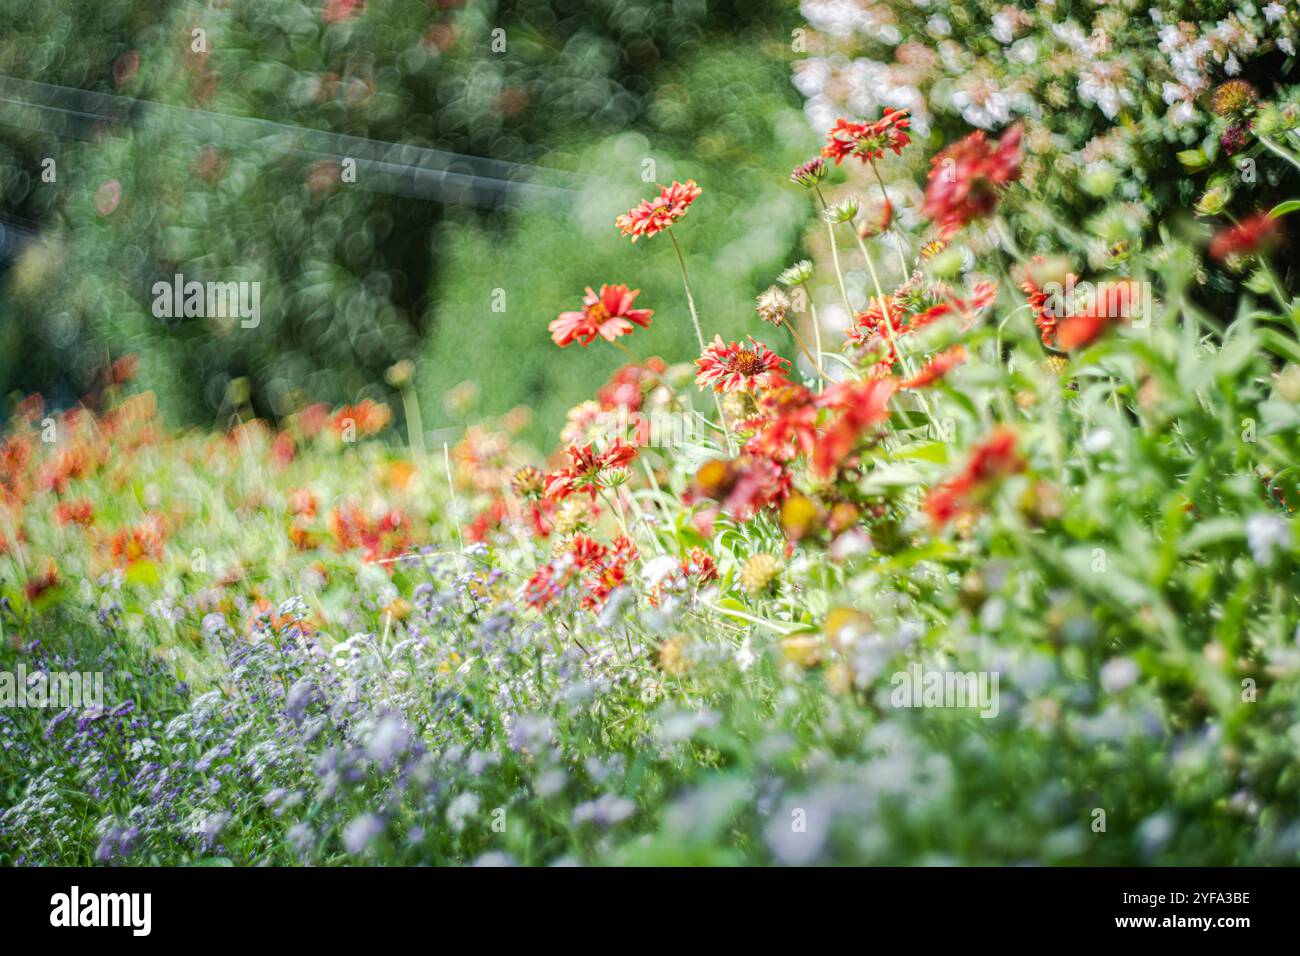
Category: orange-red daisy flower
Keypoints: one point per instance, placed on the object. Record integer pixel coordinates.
(993, 459)
(937, 367)
(860, 406)
(587, 471)
(1257, 233)
(655, 215)
(80, 512)
(788, 423)
(1114, 302)
(967, 178)
(734, 367)
(1041, 303)
(868, 141)
(607, 315)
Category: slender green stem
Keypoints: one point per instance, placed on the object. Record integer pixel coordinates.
(1275, 148)
(888, 323)
(835, 256)
(686, 284)
(817, 340)
(451, 486)
(804, 348)
(884, 303)
(617, 508)
(898, 244)
(699, 335)
(626, 351)
(414, 425)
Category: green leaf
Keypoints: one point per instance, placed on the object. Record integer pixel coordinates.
(1282, 208)
(1214, 531)
(935, 451)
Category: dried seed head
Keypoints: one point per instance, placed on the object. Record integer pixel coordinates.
(772, 305)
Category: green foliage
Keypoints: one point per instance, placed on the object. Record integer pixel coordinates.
(348, 272)
(729, 113)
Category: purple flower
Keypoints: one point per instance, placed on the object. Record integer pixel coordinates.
(361, 832)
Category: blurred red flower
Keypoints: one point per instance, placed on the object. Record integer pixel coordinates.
(994, 458)
(1257, 233)
(967, 178)
(860, 406)
(607, 315)
(937, 367)
(336, 11)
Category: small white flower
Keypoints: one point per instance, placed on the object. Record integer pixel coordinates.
(1118, 674)
(1098, 440)
(1266, 534)
(745, 656)
(654, 571)
(460, 809)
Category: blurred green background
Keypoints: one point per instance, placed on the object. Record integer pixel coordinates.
(612, 96)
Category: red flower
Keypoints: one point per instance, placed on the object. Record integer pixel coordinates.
(282, 449)
(588, 469)
(937, 367)
(487, 520)
(968, 177)
(869, 329)
(1113, 302)
(700, 564)
(124, 369)
(74, 512)
(744, 486)
(144, 541)
(993, 459)
(788, 424)
(729, 368)
(367, 417)
(655, 215)
(861, 406)
(336, 11)
(384, 537)
(1258, 233)
(982, 295)
(303, 503)
(607, 315)
(876, 219)
(600, 569)
(626, 387)
(867, 141)
(46, 579)
(1045, 318)
(608, 572)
